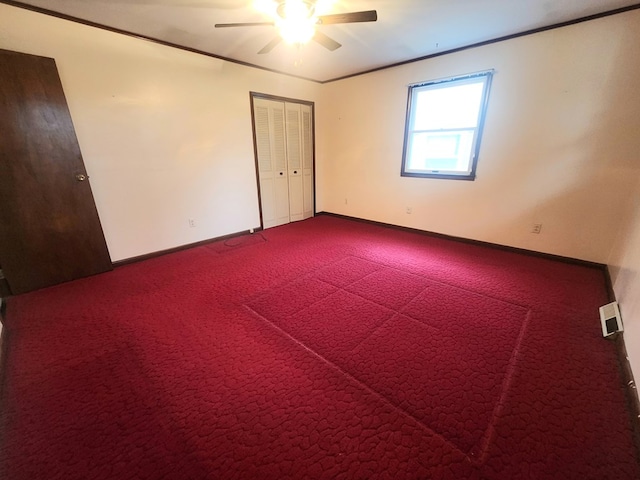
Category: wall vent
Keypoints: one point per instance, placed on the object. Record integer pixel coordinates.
(610, 319)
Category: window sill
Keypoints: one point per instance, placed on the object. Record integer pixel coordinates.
(444, 176)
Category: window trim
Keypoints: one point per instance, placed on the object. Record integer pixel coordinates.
(488, 74)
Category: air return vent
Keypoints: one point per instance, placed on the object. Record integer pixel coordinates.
(610, 319)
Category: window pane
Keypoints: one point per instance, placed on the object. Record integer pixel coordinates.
(450, 151)
(448, 106)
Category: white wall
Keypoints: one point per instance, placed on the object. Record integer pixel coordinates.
(165, 134)
(560, 145)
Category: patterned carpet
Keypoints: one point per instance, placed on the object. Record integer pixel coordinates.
(327, 348)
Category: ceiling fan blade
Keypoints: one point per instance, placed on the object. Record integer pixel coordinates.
(353, 17)
(271, 45)
(327, 42)
(250, 24)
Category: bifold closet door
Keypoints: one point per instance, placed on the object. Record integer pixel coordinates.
(294, 161)
(284, 145)
(269, 117)
(300, 160)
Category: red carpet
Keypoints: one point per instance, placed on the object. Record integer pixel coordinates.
(322, 349)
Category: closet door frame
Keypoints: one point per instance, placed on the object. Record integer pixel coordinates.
(311, 105)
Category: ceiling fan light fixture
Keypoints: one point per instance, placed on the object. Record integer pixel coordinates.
(295, 9)
(297, 21)
(296, 32)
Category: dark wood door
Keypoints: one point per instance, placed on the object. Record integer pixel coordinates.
(49, 227)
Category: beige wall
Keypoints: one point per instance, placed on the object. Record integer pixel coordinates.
(625, 272)
(165, 134)
(560, 145)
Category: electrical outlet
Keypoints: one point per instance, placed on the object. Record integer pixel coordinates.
(192, 223)
(409, 210)
(346, 202)
(536, 228)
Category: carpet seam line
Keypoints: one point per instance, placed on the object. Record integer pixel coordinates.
(490, 432)
(358, 382)
(295, 279)
(421, 275)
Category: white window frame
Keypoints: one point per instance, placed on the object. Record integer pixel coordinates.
(411, 132)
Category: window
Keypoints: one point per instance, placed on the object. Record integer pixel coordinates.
(444, 125)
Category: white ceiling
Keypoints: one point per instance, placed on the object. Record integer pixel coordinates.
(405, 30)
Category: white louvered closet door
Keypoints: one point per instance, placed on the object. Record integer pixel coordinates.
(272, 161)
(284, 142)
(294, 160)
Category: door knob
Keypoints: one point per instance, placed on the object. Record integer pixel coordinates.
(295, 171)
(81, 177)
(280, 173)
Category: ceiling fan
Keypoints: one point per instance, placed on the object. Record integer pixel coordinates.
(296, 21)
